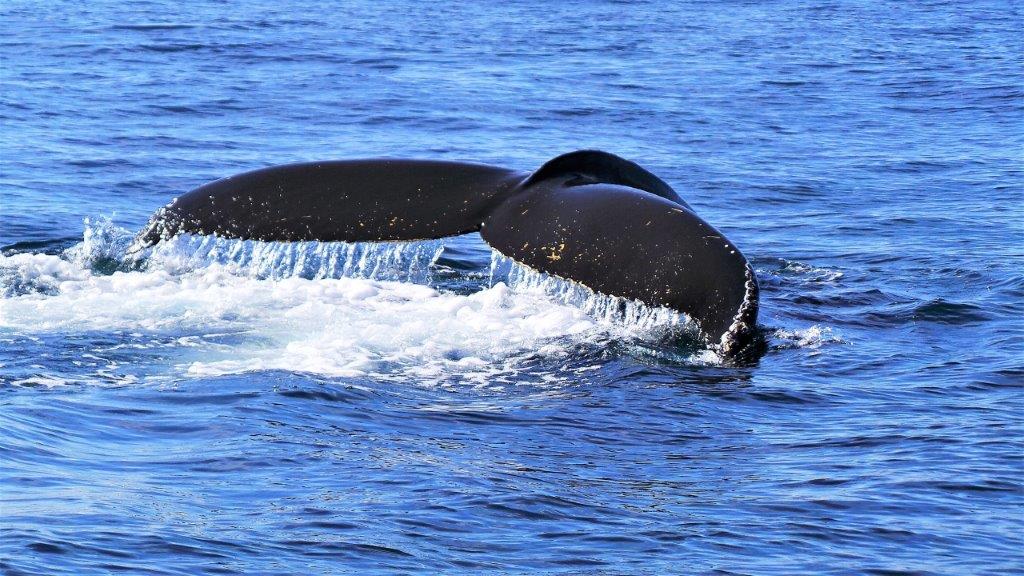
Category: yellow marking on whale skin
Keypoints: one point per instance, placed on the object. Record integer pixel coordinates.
(556, 252)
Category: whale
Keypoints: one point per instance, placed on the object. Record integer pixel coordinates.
(588, 217)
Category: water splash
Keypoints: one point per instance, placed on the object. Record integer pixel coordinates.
(665, 322)
(215, 306)
(396, 261)
(813, 337)
(779, 271)
(103, 246)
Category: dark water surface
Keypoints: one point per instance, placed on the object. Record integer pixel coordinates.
(233, 408)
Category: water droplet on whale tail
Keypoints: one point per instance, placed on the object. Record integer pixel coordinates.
(587, 216)
(156, 230)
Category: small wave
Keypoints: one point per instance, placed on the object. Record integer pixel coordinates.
(40, 382)
(911, 310)
(781, 269)
(101, 163)
(948, 312)
(155, 26)
(173, 47)
(175, 109)
(784, 83)
(378, 63)
(814, 337)
(47, 246)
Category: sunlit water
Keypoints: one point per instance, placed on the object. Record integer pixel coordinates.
(222, 407)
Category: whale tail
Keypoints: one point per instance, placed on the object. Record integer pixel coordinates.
(349, 200)
(586, 216)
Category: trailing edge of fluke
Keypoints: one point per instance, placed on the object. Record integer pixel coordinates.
(586, 216)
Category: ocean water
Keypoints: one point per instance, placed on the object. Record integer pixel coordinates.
(217, 407)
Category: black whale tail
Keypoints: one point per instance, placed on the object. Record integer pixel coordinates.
(586, 216)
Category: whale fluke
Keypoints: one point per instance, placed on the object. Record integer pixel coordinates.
(586, 216)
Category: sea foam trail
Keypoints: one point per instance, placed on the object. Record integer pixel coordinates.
(340, 310)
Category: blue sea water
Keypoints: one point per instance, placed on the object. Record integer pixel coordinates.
(237, 408)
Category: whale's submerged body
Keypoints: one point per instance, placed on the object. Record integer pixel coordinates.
(586, 216)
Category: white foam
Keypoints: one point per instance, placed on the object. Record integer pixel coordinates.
(27, 273)
(807, 272)
(275, 314)
(45, 381)
(813, 337)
